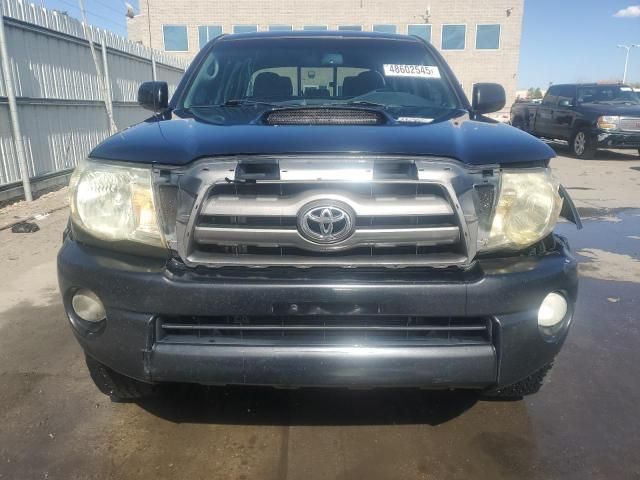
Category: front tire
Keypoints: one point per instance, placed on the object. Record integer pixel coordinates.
(582, 145)
(527, 386)
(117, 386)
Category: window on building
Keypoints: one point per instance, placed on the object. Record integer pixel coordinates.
(208, 32)
(280, 28)
(175, 38)
(488, 37)
(382, 28)
(422, 31)
(453, 37)
(353, 28)
(315, 27)
(245, 28)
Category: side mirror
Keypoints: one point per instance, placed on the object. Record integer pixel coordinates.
(488, 97)
(153, 96)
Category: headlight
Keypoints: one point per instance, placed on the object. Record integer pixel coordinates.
(608, 122)
(112, 202)
(527, 209)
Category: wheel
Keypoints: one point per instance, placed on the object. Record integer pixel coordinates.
(582, 146)
(116, 385)
(528, 386)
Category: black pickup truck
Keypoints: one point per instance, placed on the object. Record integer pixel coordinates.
(318, 209)
(588, 116)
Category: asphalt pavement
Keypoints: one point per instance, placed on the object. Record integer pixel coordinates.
(583, 424)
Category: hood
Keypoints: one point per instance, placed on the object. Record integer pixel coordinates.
(615, 110)
(179, 141)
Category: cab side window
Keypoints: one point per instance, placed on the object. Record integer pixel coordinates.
(566, 95)
(551, 98)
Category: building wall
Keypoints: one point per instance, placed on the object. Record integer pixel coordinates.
(470, 65)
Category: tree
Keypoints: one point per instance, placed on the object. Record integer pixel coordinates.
(533, 93)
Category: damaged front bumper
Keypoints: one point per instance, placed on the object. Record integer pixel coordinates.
(619, 140)
(142, 295)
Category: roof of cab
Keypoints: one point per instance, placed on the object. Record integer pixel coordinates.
(590, 84)
(318, 34)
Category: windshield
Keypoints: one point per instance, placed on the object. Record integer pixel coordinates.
(608, 94)
(399, 76)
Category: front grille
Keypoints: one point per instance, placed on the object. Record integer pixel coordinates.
(395, 223)
(325, 330)
(630, 124)
(324, 116)
(331, 211)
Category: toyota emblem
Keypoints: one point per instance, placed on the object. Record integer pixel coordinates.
(326, 222)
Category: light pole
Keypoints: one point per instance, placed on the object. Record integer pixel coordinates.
(626, 60)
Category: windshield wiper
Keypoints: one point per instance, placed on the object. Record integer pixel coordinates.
(366, 103)
(235, 102)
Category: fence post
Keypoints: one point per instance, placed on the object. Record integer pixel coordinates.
(13, 112)
(107, 83)
(154, 74)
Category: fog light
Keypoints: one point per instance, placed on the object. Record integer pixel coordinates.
(553, 310)
(88, 306)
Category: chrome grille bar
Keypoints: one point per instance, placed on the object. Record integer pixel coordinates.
(289, 206)
(361, 237)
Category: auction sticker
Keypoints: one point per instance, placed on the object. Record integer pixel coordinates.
(422, 71)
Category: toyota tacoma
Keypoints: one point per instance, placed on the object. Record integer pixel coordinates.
(318, 209)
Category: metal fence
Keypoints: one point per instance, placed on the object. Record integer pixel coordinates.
(59, 103)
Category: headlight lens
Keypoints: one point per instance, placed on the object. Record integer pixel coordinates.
(527, 210)
(608, 122)
(114, 202)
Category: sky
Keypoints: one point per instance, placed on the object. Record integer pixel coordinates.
(107, 14)
(566, 41)
(562, 40)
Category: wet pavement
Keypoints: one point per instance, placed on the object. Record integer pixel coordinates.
(583, 424)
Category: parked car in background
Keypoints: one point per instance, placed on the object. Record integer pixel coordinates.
(502, 116)
(364, 226)
(588, 116)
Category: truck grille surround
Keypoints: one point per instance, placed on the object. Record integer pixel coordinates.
(327, 211)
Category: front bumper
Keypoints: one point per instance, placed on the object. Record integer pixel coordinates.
(136, 291)
(619, 140)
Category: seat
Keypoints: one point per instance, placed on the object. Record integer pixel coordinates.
(313, 92)
(272, 85)
(362, 83)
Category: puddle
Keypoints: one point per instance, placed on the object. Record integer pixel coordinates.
(615, 231)
(608, 247)
(608, 266)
